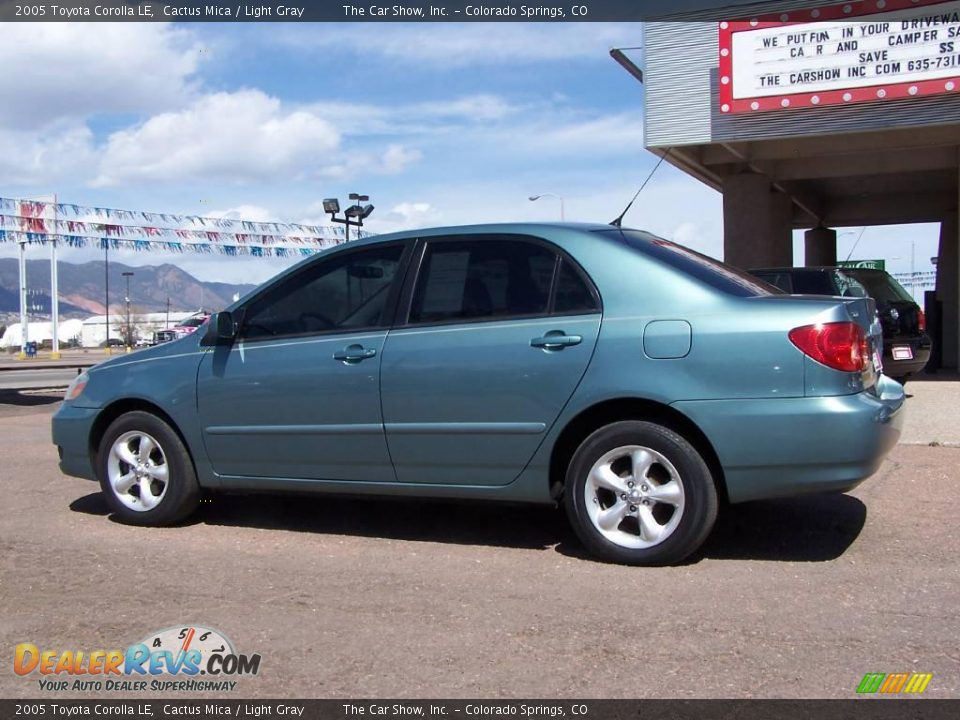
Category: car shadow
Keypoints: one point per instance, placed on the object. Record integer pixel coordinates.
(813, 528)
(808, 528)
(30, 398)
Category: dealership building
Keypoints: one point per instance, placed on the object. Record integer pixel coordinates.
(816, 116)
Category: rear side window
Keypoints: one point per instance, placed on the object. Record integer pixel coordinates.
(469, 280)
(573, 295)
(714, 273)
(880, 285)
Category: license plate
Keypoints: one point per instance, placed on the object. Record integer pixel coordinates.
(902, 352)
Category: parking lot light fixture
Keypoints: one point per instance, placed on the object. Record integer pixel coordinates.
(534, 198)
(353, 215)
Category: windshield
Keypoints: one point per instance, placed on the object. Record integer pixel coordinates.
(193, 322)
(880, 285)
(718, 275)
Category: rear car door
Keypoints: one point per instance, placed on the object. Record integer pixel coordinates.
(497, 333)
(297, 396)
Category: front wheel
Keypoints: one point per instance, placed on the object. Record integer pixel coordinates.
(146, 473)
(638, 493)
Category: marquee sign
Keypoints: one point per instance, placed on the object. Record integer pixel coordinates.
(840, 54)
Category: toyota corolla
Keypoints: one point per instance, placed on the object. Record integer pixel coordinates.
(635, 381)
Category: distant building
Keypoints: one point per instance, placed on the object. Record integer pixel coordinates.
(40, 332)
(143, 326)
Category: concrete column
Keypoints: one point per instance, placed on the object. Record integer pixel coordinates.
(948, 289)
(756, 223)
(820, 247)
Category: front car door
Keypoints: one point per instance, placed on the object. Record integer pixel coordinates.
(498, 333)
(297, 395)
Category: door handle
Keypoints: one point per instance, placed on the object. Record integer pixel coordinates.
(354, 354)
(556, 340)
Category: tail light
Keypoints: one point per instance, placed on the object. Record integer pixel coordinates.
(921, 320)
(838, 345)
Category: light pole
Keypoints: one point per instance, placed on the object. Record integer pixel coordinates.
(106, 286)
(128, 274)
(534, 198)
(353, 215)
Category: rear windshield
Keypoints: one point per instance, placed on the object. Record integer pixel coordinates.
(880, 285)
(714, 273)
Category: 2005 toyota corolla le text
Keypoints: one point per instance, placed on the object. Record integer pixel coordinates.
(635, 381)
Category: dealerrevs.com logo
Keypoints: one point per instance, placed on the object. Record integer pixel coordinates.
(182, 658)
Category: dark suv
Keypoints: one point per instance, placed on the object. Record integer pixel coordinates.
(906, 345)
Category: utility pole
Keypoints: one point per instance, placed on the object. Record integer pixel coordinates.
(24, 319)
(54, 287)
(166, 324)
(128, 274)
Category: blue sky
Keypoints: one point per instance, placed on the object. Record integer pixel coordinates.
(439, 124)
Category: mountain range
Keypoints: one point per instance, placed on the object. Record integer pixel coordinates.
(82, 288)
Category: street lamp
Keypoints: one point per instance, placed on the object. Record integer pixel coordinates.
(106, 287)
(128, 274)
(534, 198)
(353, 215)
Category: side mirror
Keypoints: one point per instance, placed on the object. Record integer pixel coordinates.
(221, 329)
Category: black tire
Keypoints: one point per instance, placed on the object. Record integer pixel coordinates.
(902, 379)
(181, 492)
(699, 506)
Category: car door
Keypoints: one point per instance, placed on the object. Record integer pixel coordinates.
(297, 395)
(498, 332)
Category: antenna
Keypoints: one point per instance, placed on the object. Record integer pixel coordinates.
(619, 219)
(862, 231)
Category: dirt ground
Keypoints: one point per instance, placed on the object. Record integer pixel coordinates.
(375, 598)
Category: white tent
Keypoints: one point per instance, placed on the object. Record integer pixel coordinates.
(39, 332)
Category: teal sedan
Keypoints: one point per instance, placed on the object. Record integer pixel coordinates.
(635, 381)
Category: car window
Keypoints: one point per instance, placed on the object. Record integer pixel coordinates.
(573, 295)
(814, 282)
(348, 292)
(880, 285)
(848, 286)
(714, 273)
(483, 278)
(781, 280)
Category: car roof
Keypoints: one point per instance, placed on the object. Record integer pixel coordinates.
(520, 228)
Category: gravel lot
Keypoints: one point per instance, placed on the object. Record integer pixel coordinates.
(370, 598)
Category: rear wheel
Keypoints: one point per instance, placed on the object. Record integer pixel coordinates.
(638, 493)
(145, 471)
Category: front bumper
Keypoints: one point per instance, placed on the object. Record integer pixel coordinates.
(789, 446)
(71, 428)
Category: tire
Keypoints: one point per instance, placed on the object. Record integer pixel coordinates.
(902, 379)
(159, 489)
(668, 511)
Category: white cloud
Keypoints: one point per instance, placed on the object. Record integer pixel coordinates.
(241, 136)
(406, 216)
(457, 45)
(251, 213)
(397, 158)
(560, 135)
(57, 70)
(60, 153)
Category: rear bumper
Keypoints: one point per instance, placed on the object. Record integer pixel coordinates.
(920, 349)
(71, 434)
(789, 446)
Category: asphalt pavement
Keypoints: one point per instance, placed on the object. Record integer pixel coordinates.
(348, 597)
